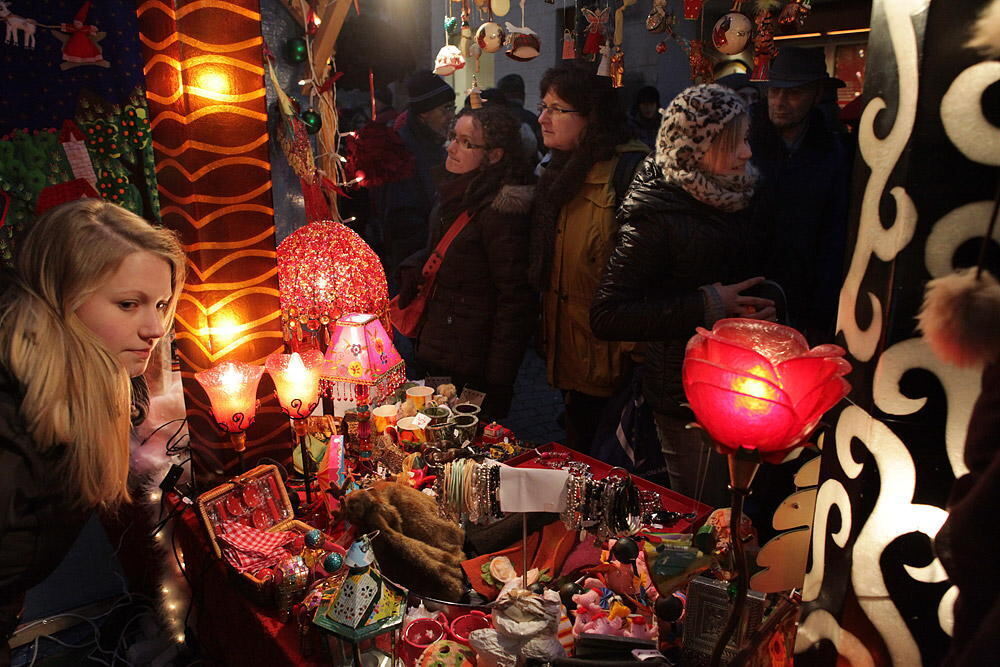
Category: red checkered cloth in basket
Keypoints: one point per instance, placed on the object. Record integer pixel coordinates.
(247, 548)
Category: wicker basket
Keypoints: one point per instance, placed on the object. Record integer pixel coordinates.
(261, 591)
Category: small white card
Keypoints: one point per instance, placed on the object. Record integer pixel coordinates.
(421, 420)
(532, 489)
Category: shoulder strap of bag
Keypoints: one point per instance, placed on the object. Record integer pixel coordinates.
(433, 262)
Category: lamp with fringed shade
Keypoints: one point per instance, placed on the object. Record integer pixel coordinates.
(232, 389)
(326, 270)
(361, 354)
(759, 391)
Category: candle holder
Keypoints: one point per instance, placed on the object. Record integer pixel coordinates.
(232, 389)
(296, 382)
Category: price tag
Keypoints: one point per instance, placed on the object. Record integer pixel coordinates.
(421, 420)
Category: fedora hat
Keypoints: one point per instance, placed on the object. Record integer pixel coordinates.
(797, 66)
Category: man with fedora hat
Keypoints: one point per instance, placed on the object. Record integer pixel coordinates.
(804, 190)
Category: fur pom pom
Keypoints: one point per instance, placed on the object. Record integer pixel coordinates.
(960, 317)
(986, 32)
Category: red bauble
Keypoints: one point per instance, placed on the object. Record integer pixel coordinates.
(377, 155)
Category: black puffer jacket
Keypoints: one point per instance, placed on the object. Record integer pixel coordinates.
(481, 314)
(38, 524)
(668, 246)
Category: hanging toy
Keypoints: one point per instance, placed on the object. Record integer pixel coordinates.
(80, 41)
(569, 45)
(17, 25)
(692, 9)
(701, 67)
(449, 60)
(465, 38)
(661, 46)
(764, 48)
(604, 68)
(596, 27)
(656, 20)
(617, 65)
(731, 33)
(451, 25)
(312, 120)
(522, 42)
(795, 13)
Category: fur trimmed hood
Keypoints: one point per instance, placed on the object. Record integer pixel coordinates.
(514, 199)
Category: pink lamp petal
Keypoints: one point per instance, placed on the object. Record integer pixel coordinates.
(738, 420)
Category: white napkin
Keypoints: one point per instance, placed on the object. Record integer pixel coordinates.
(532, 489)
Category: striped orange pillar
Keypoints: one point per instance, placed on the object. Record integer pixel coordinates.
(208, 114)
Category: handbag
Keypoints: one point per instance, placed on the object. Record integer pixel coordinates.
(407, 319)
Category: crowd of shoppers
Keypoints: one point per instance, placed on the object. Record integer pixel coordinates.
(621, 260)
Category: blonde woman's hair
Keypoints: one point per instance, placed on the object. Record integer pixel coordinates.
(728, 141)
(77, 394)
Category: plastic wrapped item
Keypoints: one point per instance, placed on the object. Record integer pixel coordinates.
(524, 626)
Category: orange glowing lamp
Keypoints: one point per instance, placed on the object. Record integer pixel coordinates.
(232, 388)
(758, 386)
(296, 381)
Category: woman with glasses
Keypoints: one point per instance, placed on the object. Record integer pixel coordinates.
(572, 233)
(686, 251)
(479, 317)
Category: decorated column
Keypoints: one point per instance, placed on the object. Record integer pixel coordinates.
(924, 180)
(205, 83)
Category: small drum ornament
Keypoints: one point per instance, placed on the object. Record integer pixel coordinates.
(490, 37)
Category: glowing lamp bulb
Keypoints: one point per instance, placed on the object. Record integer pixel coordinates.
(296, 381)
(232, 388)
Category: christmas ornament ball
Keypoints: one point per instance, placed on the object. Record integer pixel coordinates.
(490, 37)
(731, 33)
(669, 608)
(296, 50)
(626, 550)
(312, 120)
(333, 562)
(451, 25)
(314, 538)
(567, 591)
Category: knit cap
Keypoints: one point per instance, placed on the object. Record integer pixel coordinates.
(692, 121)
(428, 91)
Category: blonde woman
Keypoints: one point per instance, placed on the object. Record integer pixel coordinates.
(94, 288)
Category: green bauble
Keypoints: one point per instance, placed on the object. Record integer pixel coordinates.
(296, 50)
(312, 120)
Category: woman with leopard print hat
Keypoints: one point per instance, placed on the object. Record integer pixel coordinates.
(685, 252)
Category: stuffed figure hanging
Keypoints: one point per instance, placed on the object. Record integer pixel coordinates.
(17, 25)
(80, 42)
(569, 45)
(795, 13)
(596, 26)
(522, 42)
(764, 48)
(656, 20)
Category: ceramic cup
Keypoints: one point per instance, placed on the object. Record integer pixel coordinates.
(439, 414)
(384, 415)
(408, 432)
(465, 427)
(438, 433)
(419, 634)
(466, 409)
(419, 395)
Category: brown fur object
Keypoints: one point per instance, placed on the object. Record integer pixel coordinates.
(986, 31)
(960, 318)
(415, 547)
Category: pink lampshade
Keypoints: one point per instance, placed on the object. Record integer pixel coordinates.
(232, 388)
(360, 351)
(296, 381)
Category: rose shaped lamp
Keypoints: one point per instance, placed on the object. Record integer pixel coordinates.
(296, 382)
(759, 391)
(361, 355)
(232, 389)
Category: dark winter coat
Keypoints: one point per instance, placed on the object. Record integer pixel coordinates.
(403, 207)
(481, 314)
(38, 524)
(668, 246)
(807, 192)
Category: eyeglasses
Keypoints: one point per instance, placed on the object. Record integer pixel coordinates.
(555, 111)
(464, 143)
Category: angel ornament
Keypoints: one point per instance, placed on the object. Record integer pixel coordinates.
(597, 21)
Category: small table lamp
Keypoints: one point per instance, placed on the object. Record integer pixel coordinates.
(232, 388)
(759, 391)
(296, 382)
(361, 353)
